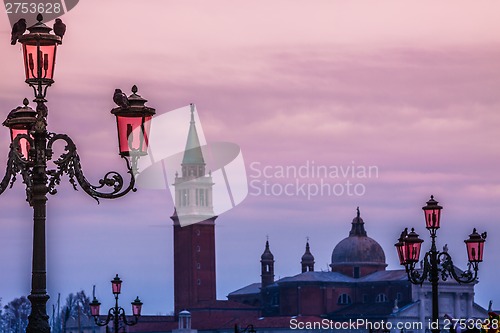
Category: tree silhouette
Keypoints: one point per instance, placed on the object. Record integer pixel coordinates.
(14, 317)
(76, 306)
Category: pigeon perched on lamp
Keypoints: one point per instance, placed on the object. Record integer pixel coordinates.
(18, 29)
(59, 28)
(120, 98)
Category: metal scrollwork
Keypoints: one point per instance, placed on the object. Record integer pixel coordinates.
(69, 163)
(17, 164)
(445, 267)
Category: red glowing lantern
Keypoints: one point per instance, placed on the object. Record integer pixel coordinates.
(475, 245)
(133, 123)
(94, 307)
(39, 49)
(136, 307)
(116, 285)
(432, 212)
(411, 248)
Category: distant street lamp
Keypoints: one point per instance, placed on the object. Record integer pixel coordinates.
(31, 149)
(248, 329)
(437, 263)
(116, 313)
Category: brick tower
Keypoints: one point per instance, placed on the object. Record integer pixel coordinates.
(194, 229)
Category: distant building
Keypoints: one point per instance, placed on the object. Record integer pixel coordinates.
(357, 287)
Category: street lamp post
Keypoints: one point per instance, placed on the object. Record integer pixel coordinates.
(31, 149)
(116, 313)
(437, 263)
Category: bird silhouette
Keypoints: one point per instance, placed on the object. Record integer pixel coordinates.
(18, 29)
(59, 28)
(120, 98)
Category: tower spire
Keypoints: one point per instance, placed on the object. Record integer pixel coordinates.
(192, 153)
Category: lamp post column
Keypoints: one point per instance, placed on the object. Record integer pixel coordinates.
(38, 319)
(116, 318)
(434, 279)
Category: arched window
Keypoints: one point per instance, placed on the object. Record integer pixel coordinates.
(344, 299)
(381, 298)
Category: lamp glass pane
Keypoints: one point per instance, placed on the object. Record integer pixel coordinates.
(131, 136)
(412, 252)
(117, 287)
(39, 65)
(23, 143)
(136, 309)
(401, 253)
(94, 309)
(475, 251)
(432, 218)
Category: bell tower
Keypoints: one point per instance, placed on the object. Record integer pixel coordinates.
(194, 228)
(267, 267)
(307, 261)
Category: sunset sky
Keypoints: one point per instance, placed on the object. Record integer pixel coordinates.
(410, 88)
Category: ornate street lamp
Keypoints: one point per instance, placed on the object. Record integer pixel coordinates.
(248, 329)
(116, 313)
(31, 149)
(436, 263)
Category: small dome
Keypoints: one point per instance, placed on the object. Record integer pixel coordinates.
(307, 257)
(358, 249)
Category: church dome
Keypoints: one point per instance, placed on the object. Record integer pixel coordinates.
(358, 250)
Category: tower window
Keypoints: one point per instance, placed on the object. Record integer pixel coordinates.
(344, 299)
(200, 197)
(199, 282)
(198, 265)
(381, 298)
(355, 272)
(206, 197)
(197, 232)
(198, 248)
(185, 197)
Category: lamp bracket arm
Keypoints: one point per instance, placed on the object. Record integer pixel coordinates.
(106, 321)
(418, 276)
(124, 318)
(448, 268)
(69, 163)
(16, 163)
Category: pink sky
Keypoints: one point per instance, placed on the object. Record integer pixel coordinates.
(411, 88)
